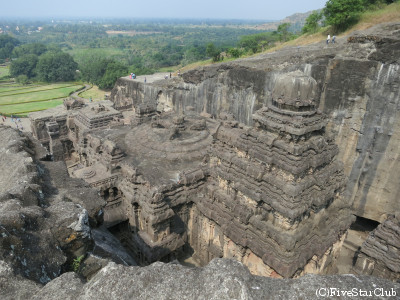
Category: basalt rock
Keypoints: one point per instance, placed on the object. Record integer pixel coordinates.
(45, 216)
(380, 253)
(239, 160)
(356, 85)
(221, 279)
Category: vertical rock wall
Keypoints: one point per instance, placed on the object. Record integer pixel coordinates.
(358, 87)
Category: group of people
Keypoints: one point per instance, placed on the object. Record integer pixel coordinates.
(328, 39)
(15, 120)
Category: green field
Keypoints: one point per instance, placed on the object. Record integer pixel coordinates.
(21, 99)
(95, 93)
(3, 71)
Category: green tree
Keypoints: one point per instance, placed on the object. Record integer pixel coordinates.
(341, 14)
(234, 52)
(25, 65)
(34, 48)
(312, 22)
(93, 67)
(56, 66)
(259, 41)
(7, 44)
(213, 52)
(114, 71)
(283, 32)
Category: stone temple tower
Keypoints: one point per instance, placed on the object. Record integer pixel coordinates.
(273, 201)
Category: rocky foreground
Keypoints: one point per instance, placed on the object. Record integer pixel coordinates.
(221, 279)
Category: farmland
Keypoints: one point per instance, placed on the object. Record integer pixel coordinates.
(19, 99)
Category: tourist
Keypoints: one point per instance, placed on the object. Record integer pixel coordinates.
(333, 39)
(328, 39)
(145, 80)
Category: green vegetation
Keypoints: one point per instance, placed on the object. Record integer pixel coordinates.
(102, 71)
(312, 22)
(56, 66)
(7, 45)
(4, 71)
(142, 47)
(342, 14)
(76, 264)
(20, 100)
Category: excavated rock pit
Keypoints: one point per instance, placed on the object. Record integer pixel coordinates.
(240, 160)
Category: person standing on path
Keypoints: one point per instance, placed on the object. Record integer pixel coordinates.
(328, 39)
(333, 39)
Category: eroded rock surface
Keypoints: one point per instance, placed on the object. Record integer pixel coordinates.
(357, 86)
(45, 216)
(380, 253)
(221, 279)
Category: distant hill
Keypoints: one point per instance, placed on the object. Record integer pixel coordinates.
(296, 20)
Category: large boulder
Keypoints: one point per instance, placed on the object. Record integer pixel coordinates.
(221, 279)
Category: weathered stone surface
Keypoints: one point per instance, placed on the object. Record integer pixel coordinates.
(13, 286)
(380, 253)
(67, 286)
(262, 184)
(18, 176)
(221, 279)
(45, 215)
(357, 85)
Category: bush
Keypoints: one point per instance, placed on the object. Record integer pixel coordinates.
(234, 52)
(22, 79)
(312, 22)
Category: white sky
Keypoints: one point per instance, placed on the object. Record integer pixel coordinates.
(212, 9)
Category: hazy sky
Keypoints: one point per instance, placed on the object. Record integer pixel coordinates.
(214, 9)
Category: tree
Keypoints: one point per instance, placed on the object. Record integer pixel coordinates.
(257, 42)
(114, 71)
(7, 44)
(283, 32)
(213, 52)
(56, 66)
(312, 22)
(234, 52)
(25, 65)
(35, 48)
(93, 67)
(341, 14)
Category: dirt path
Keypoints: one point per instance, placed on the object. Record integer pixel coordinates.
(23, 124)
(75, 95)
(152, 78)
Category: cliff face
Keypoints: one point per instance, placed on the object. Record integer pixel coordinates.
(357, 86)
